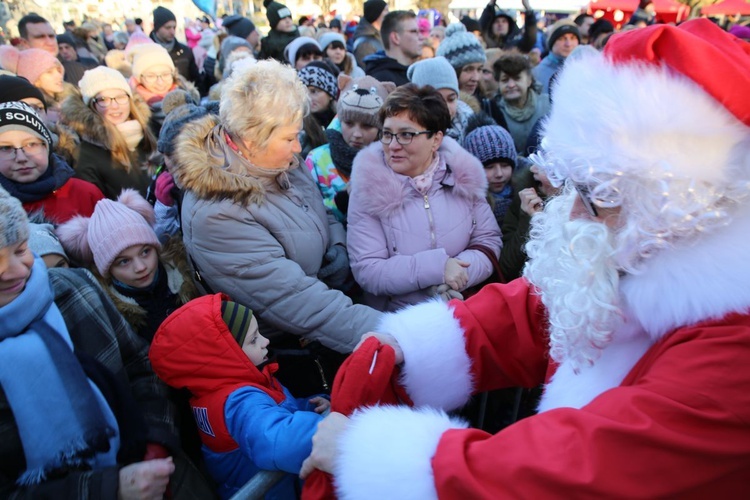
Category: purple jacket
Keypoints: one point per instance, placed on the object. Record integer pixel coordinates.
(392, 251)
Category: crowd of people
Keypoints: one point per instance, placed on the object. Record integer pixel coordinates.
(195, 237)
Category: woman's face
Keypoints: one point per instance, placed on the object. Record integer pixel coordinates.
(110, 109)
(451, 99)
(319, 99)
(414, 158)
(158, 79)
(515, 89)
(305, 59)
(136, 266)
(469, 78)
(336, 53)
(280, 149)
(357, 134)
(51, 81)
(24, 157)
(15, 268)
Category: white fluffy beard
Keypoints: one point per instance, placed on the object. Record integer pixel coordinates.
(571, 264)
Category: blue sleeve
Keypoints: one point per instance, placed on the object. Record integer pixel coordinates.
(274, 436)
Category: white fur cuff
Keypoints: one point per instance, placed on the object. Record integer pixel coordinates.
(437, 370)
(386, 453)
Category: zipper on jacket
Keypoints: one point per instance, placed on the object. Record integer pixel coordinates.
(322, 374)
(433, 243)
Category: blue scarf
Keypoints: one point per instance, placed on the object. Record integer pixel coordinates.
(58, 411)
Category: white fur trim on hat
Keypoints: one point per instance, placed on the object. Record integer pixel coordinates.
(149, 55)
(386, 452)
(631, 119)
(99, 79)
(437, 370)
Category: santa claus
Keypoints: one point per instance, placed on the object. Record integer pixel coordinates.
(633, 309)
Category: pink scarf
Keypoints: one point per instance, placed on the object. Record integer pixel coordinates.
(423, 181)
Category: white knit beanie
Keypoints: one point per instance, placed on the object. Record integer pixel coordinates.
(149, 55)
(99, 79)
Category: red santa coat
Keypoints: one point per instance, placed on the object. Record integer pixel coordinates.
(664, 412)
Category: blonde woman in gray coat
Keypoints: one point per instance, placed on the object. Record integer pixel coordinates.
(256, 228)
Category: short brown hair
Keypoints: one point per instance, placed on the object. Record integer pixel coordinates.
(424, 105)
(512, 64)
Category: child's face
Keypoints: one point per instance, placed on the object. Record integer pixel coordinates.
(498, 175)
(255, 344)
(286, 25)
(136, 266)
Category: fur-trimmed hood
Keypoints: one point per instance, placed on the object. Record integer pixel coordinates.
(383, 191)
(206, 174)
(86, 123)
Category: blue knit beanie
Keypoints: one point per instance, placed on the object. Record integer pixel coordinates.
(491, 144)
(436, 71)
(460, 47)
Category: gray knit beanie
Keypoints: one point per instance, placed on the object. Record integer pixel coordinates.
(460, 47)
(436, 71)
(491, 143)
(14, 223)
(178, 115)
(43, 240)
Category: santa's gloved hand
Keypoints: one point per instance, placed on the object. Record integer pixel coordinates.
(163, 189)
(335, 270)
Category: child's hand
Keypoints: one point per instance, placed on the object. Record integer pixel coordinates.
(322, 405)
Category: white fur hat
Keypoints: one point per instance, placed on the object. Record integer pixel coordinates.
(663, 101)
(148, 55)
(99, 79)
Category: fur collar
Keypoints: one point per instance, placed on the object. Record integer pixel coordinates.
(702, 280)
(382, 191)
(86, 123)
(205, 174)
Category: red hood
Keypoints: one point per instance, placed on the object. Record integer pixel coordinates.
(194, 349)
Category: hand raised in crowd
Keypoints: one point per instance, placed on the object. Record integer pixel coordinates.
(455, 274)
(322, 405)
(531, 202)
(163, 189)
(145, 480)
(325, 441)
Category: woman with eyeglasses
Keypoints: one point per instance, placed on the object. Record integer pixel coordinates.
(419, 221)
(31, 172)
(154, 76)
(107, 133)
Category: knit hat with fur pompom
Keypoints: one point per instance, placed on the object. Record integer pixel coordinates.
(113, 227)
(460, 47)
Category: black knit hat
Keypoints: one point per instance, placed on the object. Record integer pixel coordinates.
(238, 26)
(162, 16)
(237, 317)
(15, 88)
(560, 28)
(21, 116)
(275, 12)
(373, 9)
(66, 38)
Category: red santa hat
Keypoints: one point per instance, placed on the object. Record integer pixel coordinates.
(662, 100)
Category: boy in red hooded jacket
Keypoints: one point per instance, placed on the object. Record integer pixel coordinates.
(246, 419)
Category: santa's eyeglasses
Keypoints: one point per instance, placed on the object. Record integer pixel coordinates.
(585, 194)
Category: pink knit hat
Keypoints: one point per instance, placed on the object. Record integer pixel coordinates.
(113, 227)
(9, 58)
(33, 63)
